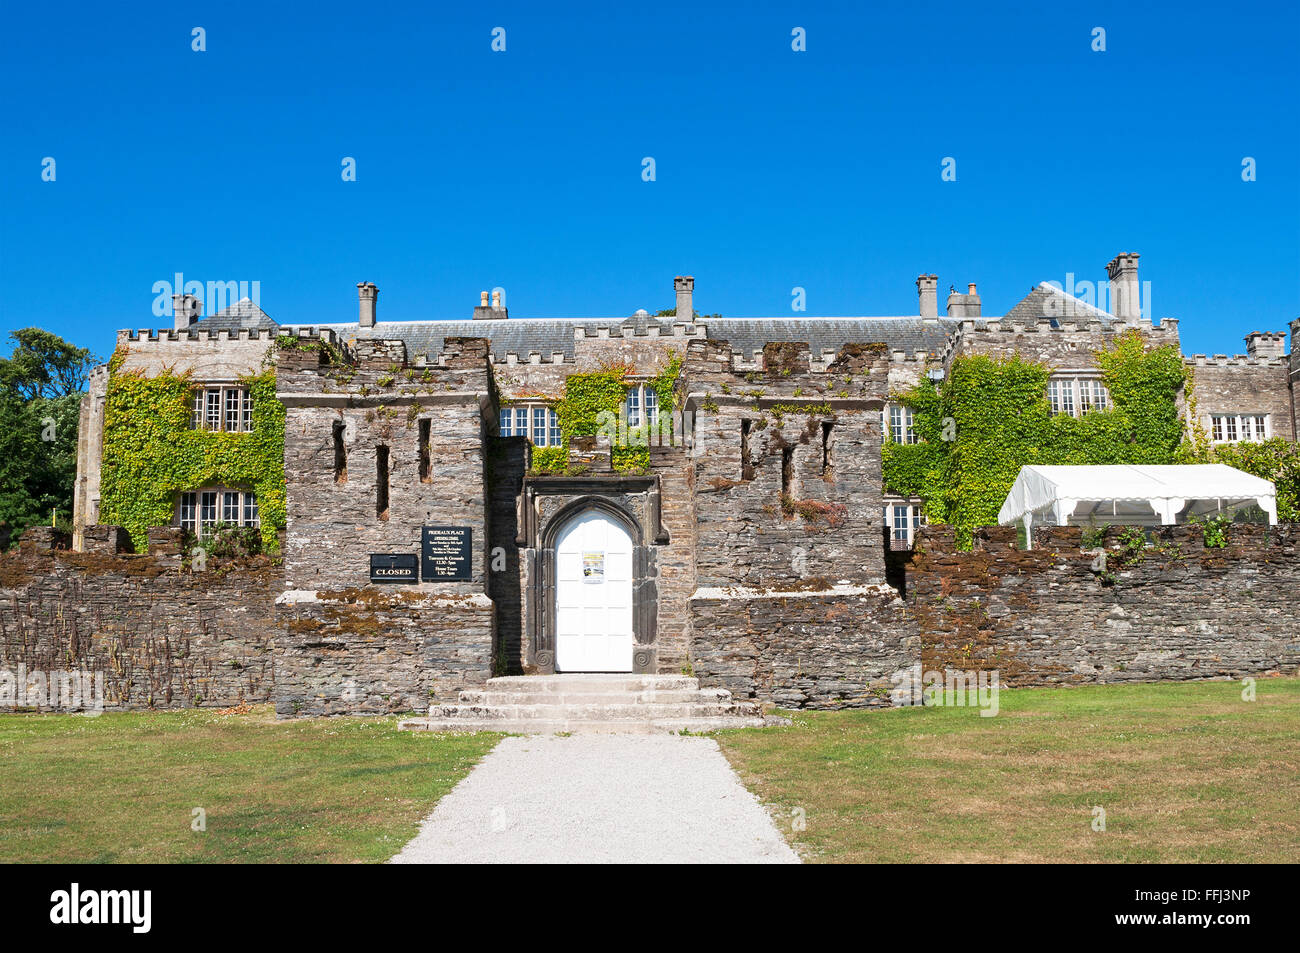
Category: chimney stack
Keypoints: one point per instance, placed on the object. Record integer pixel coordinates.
(927, 289)
(186, 309)
(964, 305)
(367, 296)
(1125, 302)
(684, 285)
(1266, 344)
(490, 312)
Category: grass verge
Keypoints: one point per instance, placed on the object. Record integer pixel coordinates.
(1184, 772)
(122, 788)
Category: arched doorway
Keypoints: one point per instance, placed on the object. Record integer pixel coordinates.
(594, 574)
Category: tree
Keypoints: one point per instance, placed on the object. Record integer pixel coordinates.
(41, 386)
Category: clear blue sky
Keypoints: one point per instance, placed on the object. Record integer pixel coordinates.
(522, 169)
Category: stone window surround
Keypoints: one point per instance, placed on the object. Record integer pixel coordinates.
(544, 432)
(1076, 393)
(641, 395)
(1232, 426)
(897, 424)
(205, 414)
(914, 517)
(247, 512)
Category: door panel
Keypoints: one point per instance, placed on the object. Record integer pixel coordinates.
(593, 595)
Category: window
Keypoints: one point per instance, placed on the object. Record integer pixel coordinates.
(538, 422)
(903, 520)
(381, 482)
(227, 409)
(1076, 396)
(202, 510)
(642, 406)
(207, 509)
(340, 453)
(901, 424)
(426, 462)
(1231, 428)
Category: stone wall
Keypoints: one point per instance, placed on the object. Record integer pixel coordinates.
(379, 650)
(1243, 385)
(787, 467)
(1051, 615)
(377, 400)
(161, 638)
(828, 649)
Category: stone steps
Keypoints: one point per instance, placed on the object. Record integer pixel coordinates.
(649, 697)
(543, 704)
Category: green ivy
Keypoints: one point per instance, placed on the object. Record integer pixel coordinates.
(587, 397)
(150, 453)
(990, 417)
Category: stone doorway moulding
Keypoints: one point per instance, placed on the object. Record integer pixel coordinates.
(633, 502)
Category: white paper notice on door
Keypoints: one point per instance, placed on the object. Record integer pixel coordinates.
(593, 567)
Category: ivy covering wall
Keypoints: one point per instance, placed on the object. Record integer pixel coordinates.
(151, 454)
(589, 397)
(990, 416)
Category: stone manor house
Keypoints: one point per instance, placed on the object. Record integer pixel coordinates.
(426, 549)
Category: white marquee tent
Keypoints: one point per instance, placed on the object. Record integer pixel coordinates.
(1136, 495)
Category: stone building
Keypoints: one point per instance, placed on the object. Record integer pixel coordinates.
(441, 525)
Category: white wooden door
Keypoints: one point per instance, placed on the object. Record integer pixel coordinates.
(593, 595)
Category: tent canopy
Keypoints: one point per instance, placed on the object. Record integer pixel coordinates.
(1137, 495)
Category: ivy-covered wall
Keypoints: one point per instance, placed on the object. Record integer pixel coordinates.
(589, 397)
(151, 454)
(990, 417)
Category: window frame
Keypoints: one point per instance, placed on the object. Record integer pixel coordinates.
(535, 421)
(1077, 394)
(1230, 427)
(194, 515)
(222, 408)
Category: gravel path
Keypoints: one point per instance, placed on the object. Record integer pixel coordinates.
(599, 799)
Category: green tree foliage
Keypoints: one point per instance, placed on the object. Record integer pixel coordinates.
(41, 386)
(990, 417)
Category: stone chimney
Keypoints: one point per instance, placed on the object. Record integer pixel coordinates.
(186, 309)
(1266, 344)
(1125, 302)
(927, 289)
(367, 297)
(684, 285)
(964, 305)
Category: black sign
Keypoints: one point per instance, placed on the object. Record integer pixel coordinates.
(393, 567)
(446, 552)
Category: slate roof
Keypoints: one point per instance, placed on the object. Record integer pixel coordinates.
(241, 314)
(746, 335)
(1046, 301)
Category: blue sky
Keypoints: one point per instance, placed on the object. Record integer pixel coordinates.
(522, 169)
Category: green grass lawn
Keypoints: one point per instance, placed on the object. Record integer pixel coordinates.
(122, 787)
(1185, 772)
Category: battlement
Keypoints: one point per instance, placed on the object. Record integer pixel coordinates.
(162, 336)
(1235, 360)
(680, 330)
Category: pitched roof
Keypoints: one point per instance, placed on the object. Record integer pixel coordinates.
(1048, 301)
(241, 314)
